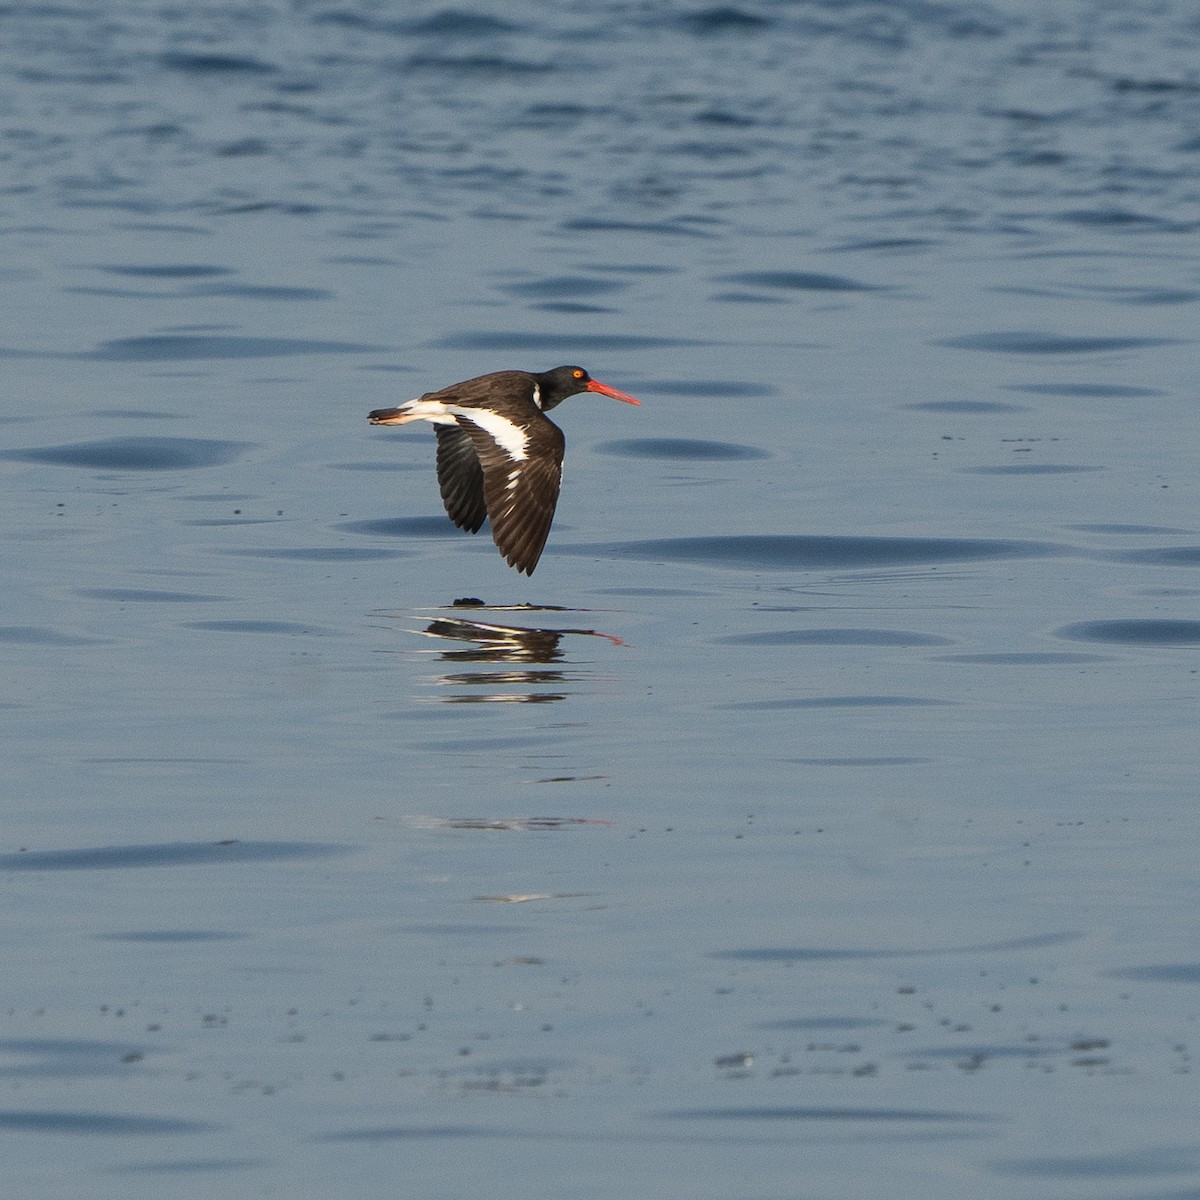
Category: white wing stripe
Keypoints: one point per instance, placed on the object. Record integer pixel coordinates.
(511, 438)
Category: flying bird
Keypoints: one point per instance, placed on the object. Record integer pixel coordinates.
(499, 457)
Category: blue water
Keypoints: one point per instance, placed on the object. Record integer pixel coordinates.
(819, 819)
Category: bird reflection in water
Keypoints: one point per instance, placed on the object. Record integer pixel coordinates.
(525, 646)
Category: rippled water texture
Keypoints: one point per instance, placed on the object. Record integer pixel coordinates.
(819, 820)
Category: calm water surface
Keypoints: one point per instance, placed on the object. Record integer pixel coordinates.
(820, 820)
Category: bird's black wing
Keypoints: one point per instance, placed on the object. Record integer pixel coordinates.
(521, 496)
(460, 477)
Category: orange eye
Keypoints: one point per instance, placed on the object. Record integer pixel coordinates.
(577, 374)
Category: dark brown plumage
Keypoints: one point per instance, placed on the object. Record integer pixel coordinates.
(499, 456)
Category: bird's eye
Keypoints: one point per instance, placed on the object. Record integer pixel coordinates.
(578, 373)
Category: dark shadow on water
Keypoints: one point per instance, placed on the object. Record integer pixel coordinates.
(1131, 530)
(168, 854)
(33, 635)
(412, 1133)
(825, 1024)
(179, 347)
(654, 229)
(97, 1123)
(976, 1053)
(444, 23)
(887, 245)
(195, 63)
(187, 1166)
(796, 1113)
(146, 596)
(1134, 632)
(557, 343)
(325, 554)
(571, 308)
(755, 552)
(165, 270)
(832, 702)
(1164, 973)
(171, 937)
(1036, 342)
(1095, 390)
(137, 414)
(228, 522)
(1030, 469)
(746, 298)
(718, 19)
(563, 287)
(705, 387)
(422, 527)
(1132, 1164)
(1162, 556)
(135, 454)
(798, 281)
(685, 449)
(376, 466)
(262, 291)
(833, 637)
(1029, 659)
(69, 1058)
(790, 954)
(251, 626)
(385, 1134)
(966, 407)
(895, 760)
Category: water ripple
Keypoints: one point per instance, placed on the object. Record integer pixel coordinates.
(756, 552)
(1101, 391)
(556, 343)
(1163, 556)
(334, 554)
(832, 702)
(146, 596)
(1161, 973)
(787, 954)
(1135, 631)
(215, 64)
(423, 527)
(797, 1113)
(25, 1120)
(707, 387)
(165, 270)
(1158, 1160)
(693, 449)
(135, 453)
(834, 637)
(1033, 342)
(182, 347)
(249, 626)
(798, 281)
(166, 854)
(37, 635)
(1030, 469)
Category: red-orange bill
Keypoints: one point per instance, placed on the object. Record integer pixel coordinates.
(594, 385)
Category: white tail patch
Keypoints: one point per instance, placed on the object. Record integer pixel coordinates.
(421, 410)
(510, 437)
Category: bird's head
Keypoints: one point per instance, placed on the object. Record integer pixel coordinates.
(555, 386)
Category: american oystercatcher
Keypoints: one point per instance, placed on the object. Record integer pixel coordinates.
(499, 456)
